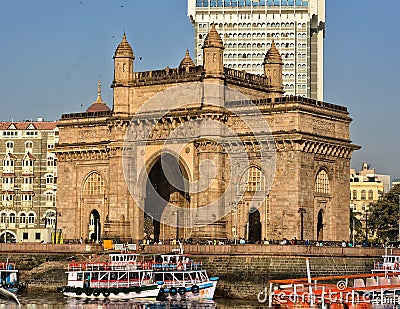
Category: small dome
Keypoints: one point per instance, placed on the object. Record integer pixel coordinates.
(187, 62)
(99, 105)
(124, 49)
(213, 39)
(273, 55)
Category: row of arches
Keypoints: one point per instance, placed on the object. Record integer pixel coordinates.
(363, 195)
(262, 25)
(160, 192)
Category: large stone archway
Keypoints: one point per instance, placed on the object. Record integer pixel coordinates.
(165, 185)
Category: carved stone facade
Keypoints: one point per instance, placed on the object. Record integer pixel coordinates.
(309, 183)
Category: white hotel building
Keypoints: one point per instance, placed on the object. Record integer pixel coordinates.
(248, 28)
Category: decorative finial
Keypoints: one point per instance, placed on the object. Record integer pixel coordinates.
(99, 99)
(99, 88)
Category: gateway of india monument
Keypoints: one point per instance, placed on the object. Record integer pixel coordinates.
(204, 152)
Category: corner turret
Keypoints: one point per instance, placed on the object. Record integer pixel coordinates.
(213, 59)
(123, 62)
(273, 68)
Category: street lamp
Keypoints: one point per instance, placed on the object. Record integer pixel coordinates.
(302, 211)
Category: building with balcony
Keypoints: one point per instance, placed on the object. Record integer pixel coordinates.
(248, 28)
(28, 180)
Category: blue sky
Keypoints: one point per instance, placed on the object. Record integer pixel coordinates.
(52, 53)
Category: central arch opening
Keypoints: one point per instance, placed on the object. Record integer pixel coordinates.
(165, 184)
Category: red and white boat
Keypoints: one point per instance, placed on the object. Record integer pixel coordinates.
(122, 277)
(349, 291)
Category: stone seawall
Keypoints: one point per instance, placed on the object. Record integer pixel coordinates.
(243, 270)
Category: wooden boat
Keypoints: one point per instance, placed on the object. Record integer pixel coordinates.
(122, 277)
(10, 277)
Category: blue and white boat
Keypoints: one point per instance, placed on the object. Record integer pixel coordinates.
(10, 278)
(184, 279)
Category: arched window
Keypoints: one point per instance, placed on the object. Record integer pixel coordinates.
(255, 179)
(363, 195)
(94, 185)
(354, 194)
(28, 146)
(49, 179)
(22, 218)
(3, 218)
(10, 147)
(49, 196)
(322, 182)
(370, 195)
(31, 218)
(50, 161)
(12, 217)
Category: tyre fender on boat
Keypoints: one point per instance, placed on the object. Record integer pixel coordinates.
(195, 289)
(78, 291)
(137, 289)
(106, 293)
(173, 291)
(88, 291)
(161, 292)
(96, 292)
(125, 290)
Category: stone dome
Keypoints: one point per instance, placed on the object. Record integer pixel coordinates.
(99, 105)
(213, 39)
(187, 62)
(273, 55)
(124, 49)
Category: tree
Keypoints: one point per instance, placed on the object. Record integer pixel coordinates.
(355, 228)
(384, 216)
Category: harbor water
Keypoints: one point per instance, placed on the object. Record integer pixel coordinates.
(52, 300)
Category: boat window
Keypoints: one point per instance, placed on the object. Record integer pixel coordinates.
(95, 276)
(179, 276)
(159, 277)
(113, 276)
(79, 276)
(133, 275)
(103, 276)
(123, 276)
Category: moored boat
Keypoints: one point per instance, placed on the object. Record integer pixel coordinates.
(390, 262)
(121, 277)
(10, 277)
(183, 277)
(351, 291)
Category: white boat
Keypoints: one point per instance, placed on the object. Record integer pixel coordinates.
(9, 277)
(122, 277)
(183, 278)
(390, 263)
